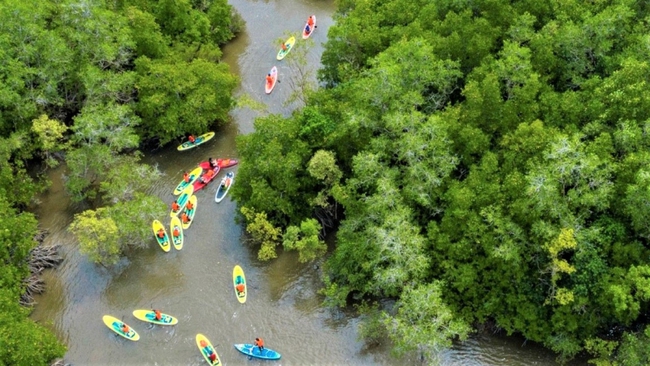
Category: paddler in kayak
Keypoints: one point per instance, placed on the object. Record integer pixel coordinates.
(184, 218)
(175, 206)
(157, 314)
(208, 350)
(161, 233)
(186, 177)
(269, 79)
(189, 206)
(259, 343)
(213, 163)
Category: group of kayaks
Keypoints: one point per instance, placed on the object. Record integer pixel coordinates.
(203, 343)
(186, 202)
(307, 30)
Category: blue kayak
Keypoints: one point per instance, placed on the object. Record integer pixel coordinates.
(251, 350)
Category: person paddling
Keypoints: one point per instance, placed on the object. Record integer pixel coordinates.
(161, 233)
(175, 206)
(269, 79)
(184, 218)
(259, 343)
(157, 314)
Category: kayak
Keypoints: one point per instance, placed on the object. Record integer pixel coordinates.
(306, 35)
(204, 180)
(194, 175)
(237, 278)
(274, 75)
(252, 351)
(150, 316)
(224, 187)
(164, 241)
(190, 213)
(116, 324)
(222, 163)
(182, 200)
(199, 140)
(289, 43)
(177, 240)
(205, 349)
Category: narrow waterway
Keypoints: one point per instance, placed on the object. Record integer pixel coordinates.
(194, 284)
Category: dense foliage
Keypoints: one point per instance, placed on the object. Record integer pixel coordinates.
(490, 163)
(88, 83)
(22, 341)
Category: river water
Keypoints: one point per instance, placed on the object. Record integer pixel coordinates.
(194, 284)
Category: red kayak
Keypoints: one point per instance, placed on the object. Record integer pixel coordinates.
(222, 163)
(205, 179)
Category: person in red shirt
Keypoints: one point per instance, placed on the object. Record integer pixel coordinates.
(259, 343)
(240, 288)
(284, 47)
(184, 218)
(158, 315)
(189, 206)
(310, 21)
(192, 139)
(269, 79)
(212, 357)
(186, 177)
(125, 329)
(161, 233)
(176, 232)
(175, 206)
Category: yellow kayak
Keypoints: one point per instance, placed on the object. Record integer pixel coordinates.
(194, 175)
(116, 324)
(206, 348)
(239, 278)
(164, 241)
(289, 43)
(199, 140)
(182, 200)
(177, 240)
(190, 213)
(150, 316)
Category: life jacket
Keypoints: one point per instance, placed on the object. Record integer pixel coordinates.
(240, 288)
(158, 315)
(310, 21)
(186, 177)
(175, 206)
(185, 218)
(161, 233)
(269, 79)
(189, 205)
(191, 138)
(176, 232)
(259, 342)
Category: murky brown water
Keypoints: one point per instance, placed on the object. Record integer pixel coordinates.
(194, 284)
